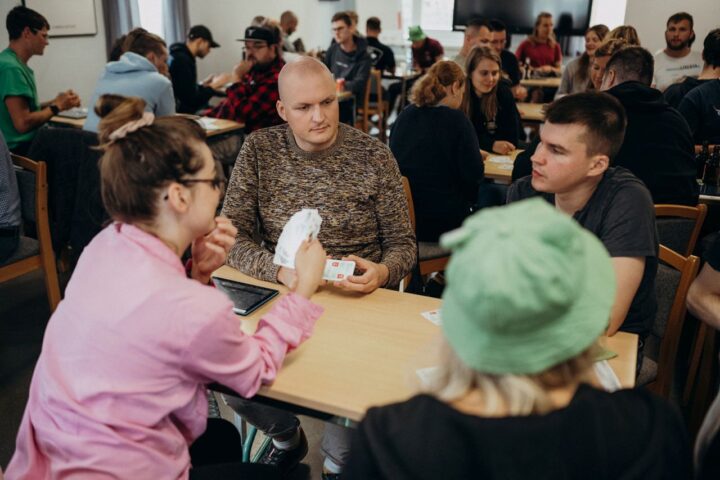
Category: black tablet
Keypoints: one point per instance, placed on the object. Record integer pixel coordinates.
(246, 298)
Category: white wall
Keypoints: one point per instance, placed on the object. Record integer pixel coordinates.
(68, 62)
(649, 17)
(227, 19)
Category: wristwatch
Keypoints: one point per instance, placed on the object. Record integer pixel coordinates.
(54, 108)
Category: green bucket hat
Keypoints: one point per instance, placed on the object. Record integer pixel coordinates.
(527, 288)
(415, 34)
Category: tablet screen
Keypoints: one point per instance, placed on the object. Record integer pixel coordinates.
(245, 297)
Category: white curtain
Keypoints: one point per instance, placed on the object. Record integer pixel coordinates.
(120, 16)
(176, 20)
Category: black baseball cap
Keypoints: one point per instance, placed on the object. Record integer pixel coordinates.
(260, 34)
(201, 31)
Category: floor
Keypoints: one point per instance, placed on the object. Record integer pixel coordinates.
(24, 313)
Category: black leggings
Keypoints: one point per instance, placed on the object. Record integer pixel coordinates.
(217, 454)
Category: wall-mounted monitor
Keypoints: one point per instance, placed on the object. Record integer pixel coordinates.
(571, 17)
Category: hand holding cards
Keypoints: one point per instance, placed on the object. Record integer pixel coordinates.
(338, 270)
(303, 225)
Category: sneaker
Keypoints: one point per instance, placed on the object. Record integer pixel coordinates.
(285, 460)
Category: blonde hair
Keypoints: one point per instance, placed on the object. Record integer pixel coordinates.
(509, 394)
(626, 33)
(534, 38)
(430, 89)
(488, 102)
(610, 46)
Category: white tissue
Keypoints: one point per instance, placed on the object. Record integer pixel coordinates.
(301, 226)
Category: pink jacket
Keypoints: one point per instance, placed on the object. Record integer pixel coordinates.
(119, 389)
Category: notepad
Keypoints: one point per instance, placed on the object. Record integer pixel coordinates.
(433, 316)
(208, 123)
(502, 159)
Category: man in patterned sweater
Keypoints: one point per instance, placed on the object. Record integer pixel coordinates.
(251, 100)
(354, 182)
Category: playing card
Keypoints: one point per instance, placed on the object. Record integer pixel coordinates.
(433, 316)
(338, 270)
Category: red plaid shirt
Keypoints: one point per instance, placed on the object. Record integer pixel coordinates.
(252, 100)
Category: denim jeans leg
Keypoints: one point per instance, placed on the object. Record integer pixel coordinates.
(272, 421)
(336, 443)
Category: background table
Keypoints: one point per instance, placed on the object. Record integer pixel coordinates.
(531, 112)
(547, 82)
(366, 348)
(222, 126)
(500, 171)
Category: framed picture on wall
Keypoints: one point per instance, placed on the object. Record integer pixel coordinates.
(67, 18)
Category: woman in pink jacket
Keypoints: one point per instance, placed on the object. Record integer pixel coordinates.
(119, 389)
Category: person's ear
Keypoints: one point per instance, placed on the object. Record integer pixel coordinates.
(598, 165)
(281, 110)
(177, 198)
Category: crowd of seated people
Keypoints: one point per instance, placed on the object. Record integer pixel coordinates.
(570, 255)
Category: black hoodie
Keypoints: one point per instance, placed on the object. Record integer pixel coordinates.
(354, 67)
(658, 146)
(189, 96)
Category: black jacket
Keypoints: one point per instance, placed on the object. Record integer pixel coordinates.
(354, 67)
(189, 96)
(658, 146)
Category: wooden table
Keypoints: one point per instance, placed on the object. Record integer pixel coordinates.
(531, 112)
(500, 172)
(221, 126)
(404, 76)
(546, 82)
(365, 351)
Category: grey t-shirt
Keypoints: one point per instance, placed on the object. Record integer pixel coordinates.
(621, 214)
(10, 215)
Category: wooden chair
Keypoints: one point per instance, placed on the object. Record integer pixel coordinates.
(34, 254)
(370, 108)
(674, 276)
(431, 257)
(679, 226)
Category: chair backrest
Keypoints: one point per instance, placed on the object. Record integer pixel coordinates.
(674, 276)
(32, 184)
(679, 226)
(408, 197)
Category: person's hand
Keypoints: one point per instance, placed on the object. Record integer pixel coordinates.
(220, 80)
(288, 277)
(242, 68)
(210, 251)
(546, 68)
(374, 275)
(66, 100)
(502, 147)
(519, 92)
(484, 154)
(309, 265)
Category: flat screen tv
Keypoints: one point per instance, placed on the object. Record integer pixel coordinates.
(571, 17)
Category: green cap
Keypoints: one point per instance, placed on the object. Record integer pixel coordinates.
(415, 34)
(527, 288)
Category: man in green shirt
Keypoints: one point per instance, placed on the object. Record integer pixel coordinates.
(21, 114)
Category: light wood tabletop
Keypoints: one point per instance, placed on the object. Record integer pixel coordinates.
(531, 112)
(499, 167)
(365, 351)
(212, 126)
(344, 95)
(547, 82)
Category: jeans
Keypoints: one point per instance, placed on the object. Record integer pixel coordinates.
(9, 240)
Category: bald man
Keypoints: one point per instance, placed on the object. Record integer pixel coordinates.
(314, 161)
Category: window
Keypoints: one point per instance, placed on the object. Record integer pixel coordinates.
(151, 16)
(436, 14)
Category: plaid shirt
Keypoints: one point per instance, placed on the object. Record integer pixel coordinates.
(252, 100)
